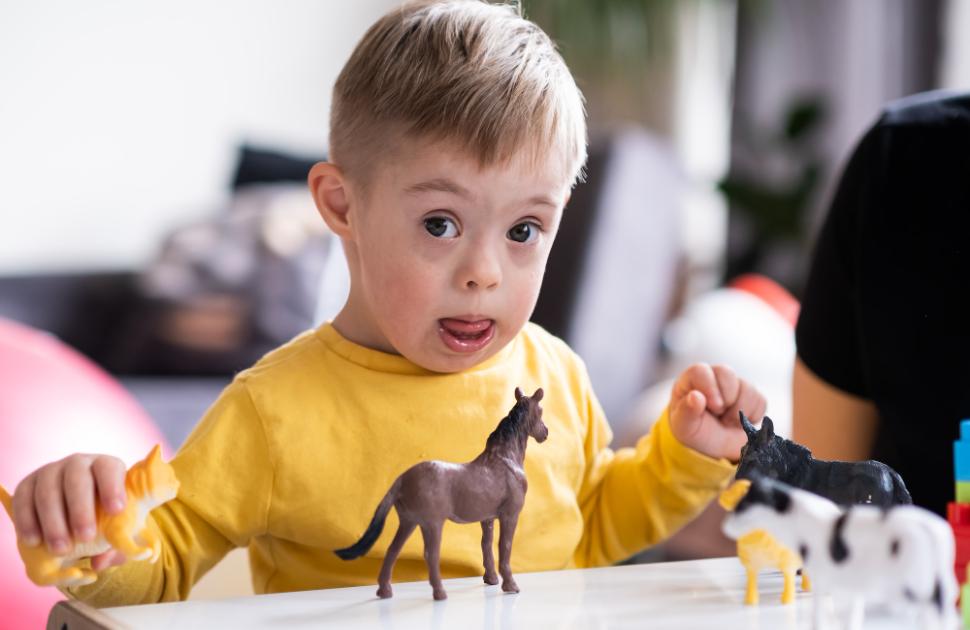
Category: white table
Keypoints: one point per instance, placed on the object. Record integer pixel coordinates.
(703, 594)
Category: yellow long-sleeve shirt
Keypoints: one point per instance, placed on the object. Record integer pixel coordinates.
(294, 457)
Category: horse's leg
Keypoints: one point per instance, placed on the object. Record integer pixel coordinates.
(432, 556)
(404, 530)
(488, 559)
(507, 525)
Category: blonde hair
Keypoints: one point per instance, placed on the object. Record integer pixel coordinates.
(463, 71)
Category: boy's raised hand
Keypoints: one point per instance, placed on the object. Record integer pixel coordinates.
(54, 505)
(704, 409)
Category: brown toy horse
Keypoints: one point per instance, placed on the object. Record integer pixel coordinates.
(490, 487)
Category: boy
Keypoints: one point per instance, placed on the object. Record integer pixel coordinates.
(456, 135)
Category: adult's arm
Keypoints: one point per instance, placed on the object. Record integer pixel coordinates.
(832, 411)
(832, 423)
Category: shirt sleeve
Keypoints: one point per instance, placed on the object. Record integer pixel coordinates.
(226, 477)
(827, 334)
(637, 497)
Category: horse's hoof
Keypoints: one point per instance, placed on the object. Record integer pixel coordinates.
(491, 578)
(440, 594)
(510, 586)
(385, 592)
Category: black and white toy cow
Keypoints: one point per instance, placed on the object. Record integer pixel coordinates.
(901, 556)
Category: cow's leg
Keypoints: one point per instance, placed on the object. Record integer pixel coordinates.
(806, 585)
(857, 613)
(488, 558)
(384, 579)
(432, 556)
(507, 525)
(818, 608)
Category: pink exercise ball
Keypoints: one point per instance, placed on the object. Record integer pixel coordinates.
(54, 402)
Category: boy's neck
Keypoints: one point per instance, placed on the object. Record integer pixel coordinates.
(352, 326)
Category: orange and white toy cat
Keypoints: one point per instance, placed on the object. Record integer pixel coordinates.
(149, 483)
(760, 550)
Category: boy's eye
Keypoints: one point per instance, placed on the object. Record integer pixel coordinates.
(441, 227)
(523, 233)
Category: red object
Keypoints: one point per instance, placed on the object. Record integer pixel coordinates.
(771, 292)
(54, 402)
(958, 515)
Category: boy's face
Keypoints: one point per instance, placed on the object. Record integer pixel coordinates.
(446, 257)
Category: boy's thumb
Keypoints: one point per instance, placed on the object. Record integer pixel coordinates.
(688, 412)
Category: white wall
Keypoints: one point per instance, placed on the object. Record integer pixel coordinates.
(120, 120)
(955, 65)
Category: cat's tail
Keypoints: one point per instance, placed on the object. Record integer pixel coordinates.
(7, 501)
(375, 528)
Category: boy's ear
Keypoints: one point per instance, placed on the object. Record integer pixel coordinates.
(329, 189)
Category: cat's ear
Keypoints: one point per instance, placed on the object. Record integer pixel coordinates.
(156, 454)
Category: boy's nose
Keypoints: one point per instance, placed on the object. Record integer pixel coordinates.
(481, 271)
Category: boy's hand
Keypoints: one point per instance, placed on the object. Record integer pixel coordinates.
(55, 504)
(704, 409)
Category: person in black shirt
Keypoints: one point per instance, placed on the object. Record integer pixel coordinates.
(883, 366)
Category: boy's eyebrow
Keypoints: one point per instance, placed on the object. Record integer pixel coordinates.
(448, 186)
(438, 185)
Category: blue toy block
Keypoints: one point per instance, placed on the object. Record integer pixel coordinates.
(961, 453)
(961, 460)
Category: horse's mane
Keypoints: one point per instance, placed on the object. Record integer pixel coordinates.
(511, 425)
(794, 448)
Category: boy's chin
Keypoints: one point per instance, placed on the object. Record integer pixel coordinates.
(446, 364)
(446, 361)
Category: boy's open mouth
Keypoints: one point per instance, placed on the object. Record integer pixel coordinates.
(461, 335)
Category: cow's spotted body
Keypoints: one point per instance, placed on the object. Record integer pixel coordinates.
(901, 556)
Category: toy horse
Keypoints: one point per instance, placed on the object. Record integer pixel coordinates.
(843, 482)
(902, 555)
(490, 487)
(759, 550)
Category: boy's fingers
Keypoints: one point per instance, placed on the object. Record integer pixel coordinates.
(110, 558)
(49, 502)
(728, 382)
(24, 514)
(700, 376)
(733, 443)
(750, 401)
(109, 475)
(79, 497)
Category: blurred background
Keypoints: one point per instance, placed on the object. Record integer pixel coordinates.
(154, 217)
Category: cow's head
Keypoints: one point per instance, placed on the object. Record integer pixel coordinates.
(766, 505)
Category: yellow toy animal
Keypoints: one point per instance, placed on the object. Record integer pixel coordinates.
(759, 550)
(149, 483)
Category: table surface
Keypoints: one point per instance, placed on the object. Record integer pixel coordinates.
(683, 595)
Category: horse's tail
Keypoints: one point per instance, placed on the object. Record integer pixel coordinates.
(375, 528)
(900, 493)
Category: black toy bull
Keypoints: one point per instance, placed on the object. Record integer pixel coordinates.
(844, 483)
